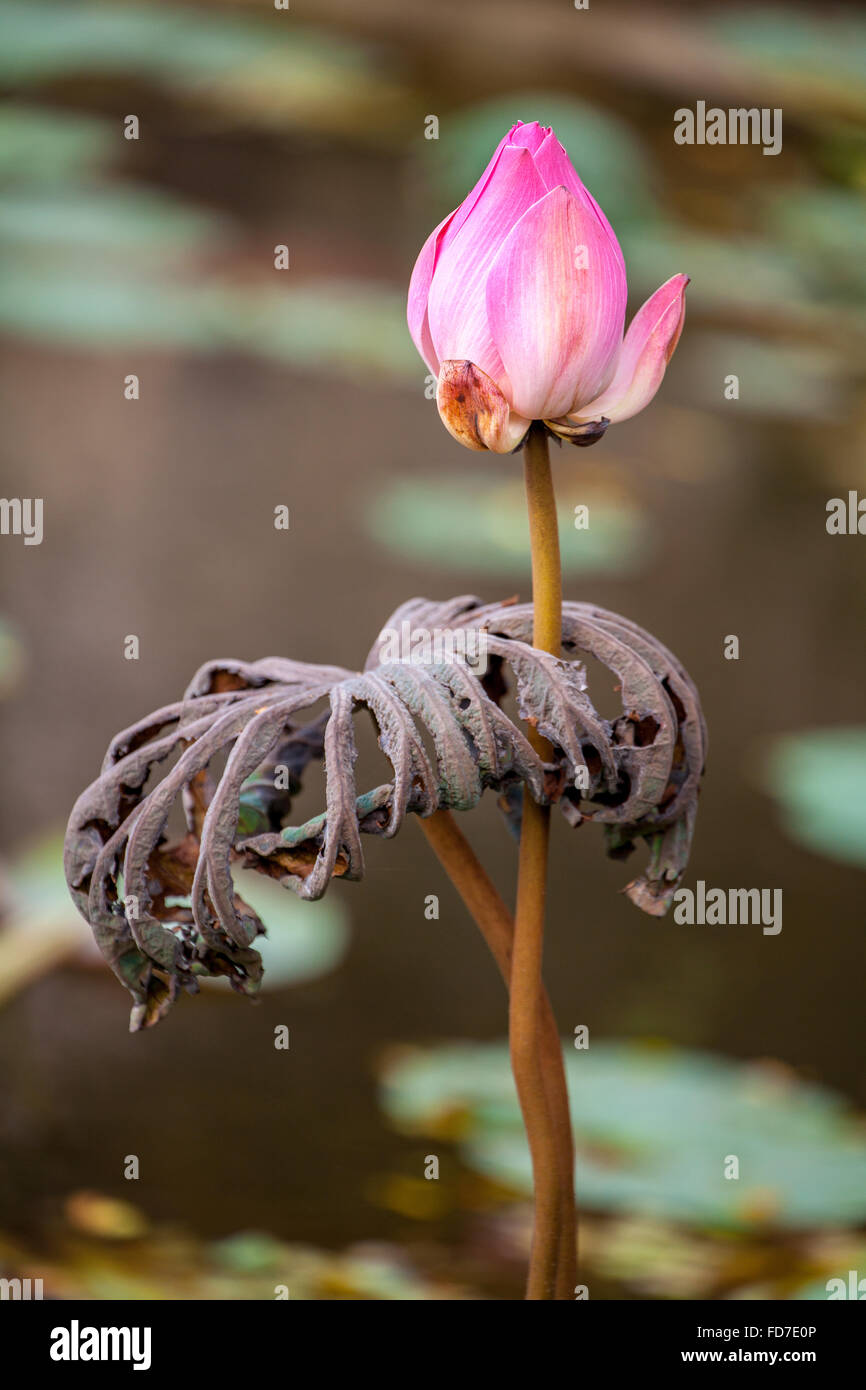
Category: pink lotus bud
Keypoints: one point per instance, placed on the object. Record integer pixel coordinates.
(517, 305)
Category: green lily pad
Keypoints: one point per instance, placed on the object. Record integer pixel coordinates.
(102, 221)
(371, 1272)
(353, 325)
(40, 146)
(817, 1291)
(352, 328)
(728, 275)
(12, 658)
(55, 304)
(819, 780)
(168, 1262)
(825, 225)
(55, 38)
(653, 1128)
(304, 940)
(787, 382)
(264, 70)
(825, 54)
(478, 524)
(35, 884)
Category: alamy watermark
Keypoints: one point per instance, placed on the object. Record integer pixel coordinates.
(77, 1343)
(738, 125)
(852, 1287)
(20, 1290)
(720, 907)
(22, 516)
(846, 517)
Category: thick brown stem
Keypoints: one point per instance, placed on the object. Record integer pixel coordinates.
(496, 925)
(523, 1030)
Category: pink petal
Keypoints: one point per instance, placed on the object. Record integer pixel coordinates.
(556, 303)
(528, 136)
(456, 304)
(474, 410)
(475, 192)
(648, 347)
(557, 170)
(428, 258)
(419, 289)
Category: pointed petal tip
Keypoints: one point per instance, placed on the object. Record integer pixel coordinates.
(529, 134)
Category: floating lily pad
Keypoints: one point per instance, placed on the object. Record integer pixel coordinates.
(654, 1128)
(827, 226)
(816, 1290)
(819, 780)
(370, 1272)
(56, 304)
(101, 221)
(826, 53)
(36, 887)
(479, 525)
(40, 146)
(353, 328)
(87, 1260)
(54, 38)
(727, 274)
(263, 69)
(12, 658)
(355, 325)
(301, 944)
(787, 382)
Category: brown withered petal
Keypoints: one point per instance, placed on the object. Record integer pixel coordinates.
(475, 411)
(583, 435)
(165, 913)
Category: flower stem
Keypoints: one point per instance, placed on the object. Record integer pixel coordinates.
(552, 1202)
(544, 543)
(496, 925)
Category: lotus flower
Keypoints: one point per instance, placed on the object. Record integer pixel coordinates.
(517, 305)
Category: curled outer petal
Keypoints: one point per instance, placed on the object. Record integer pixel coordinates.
(648, 347)
(475, 411)
(419, 289)
(583, 434)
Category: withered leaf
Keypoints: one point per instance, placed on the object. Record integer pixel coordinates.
(164, 914)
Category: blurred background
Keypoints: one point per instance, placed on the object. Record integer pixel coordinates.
(155, 256)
